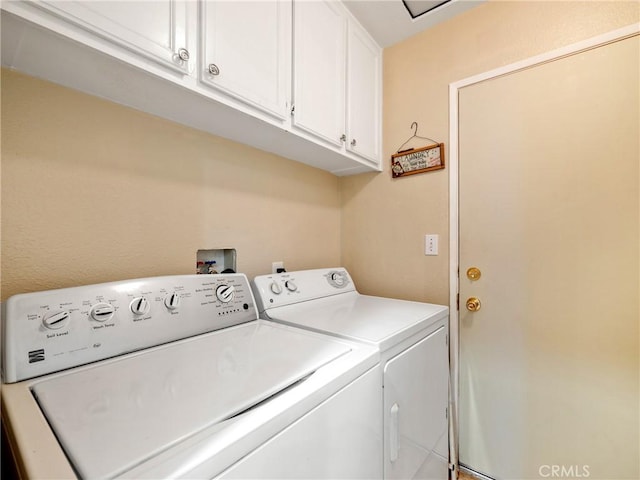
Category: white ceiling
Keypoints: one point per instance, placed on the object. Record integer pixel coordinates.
(389, 22)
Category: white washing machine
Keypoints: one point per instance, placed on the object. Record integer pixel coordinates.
(413, 341)
(173, 377)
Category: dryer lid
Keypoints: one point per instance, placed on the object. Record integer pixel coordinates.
(112, 416)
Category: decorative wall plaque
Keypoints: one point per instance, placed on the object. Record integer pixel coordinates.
(418, 160)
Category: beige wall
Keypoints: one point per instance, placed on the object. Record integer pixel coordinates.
(384, 220)
(93, 191)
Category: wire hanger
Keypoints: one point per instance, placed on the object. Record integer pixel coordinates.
(414, 125)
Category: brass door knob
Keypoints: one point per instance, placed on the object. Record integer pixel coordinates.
(473, 304)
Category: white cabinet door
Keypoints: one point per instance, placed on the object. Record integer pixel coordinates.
(320, 29)
(363, 94)
(416, 392)
(158, 30)
(247, 51)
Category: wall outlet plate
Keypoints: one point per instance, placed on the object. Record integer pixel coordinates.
(431, 244)
(276, 265)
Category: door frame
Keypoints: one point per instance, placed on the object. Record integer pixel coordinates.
(454, 347)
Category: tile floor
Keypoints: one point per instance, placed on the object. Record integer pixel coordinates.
(465, 476)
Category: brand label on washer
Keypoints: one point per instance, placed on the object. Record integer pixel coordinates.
(36, 356)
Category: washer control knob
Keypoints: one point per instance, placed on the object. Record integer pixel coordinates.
(225, 293)
(276, 288)
(140, 306)
(292, 287)
(102, 311)
(56, 320)
(172, 301)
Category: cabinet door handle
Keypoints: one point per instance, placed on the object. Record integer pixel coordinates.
(353, 142)
(213, 69)
(343, 138)
(393, 432)
(183, 54)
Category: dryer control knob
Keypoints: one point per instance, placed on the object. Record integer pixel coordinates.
(102, 311)
(172, 301)
(225, 293)
(338, 279)
(276, 288)
(56, 320)
(140, 306)
(292, 287)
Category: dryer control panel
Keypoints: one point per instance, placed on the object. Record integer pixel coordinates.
(44, 332)
(279, 289)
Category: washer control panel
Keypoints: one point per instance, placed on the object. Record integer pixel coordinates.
(279, 289)
(44, 332)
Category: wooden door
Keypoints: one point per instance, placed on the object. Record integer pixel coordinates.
(549, 214)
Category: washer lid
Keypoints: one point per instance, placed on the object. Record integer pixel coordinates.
(379, 321)
(114, 415)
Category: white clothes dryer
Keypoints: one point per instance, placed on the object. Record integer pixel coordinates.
(413, 342)
(173, 377)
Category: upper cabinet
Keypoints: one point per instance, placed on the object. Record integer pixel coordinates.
(246, 52)
(337, 79)
(320, 52)
(364, 92)
(300, 79)
(160, 30)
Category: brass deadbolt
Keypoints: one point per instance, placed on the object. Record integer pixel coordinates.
(474, 273)
(473, 304)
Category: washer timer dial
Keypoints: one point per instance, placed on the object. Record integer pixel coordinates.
(225, 293)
